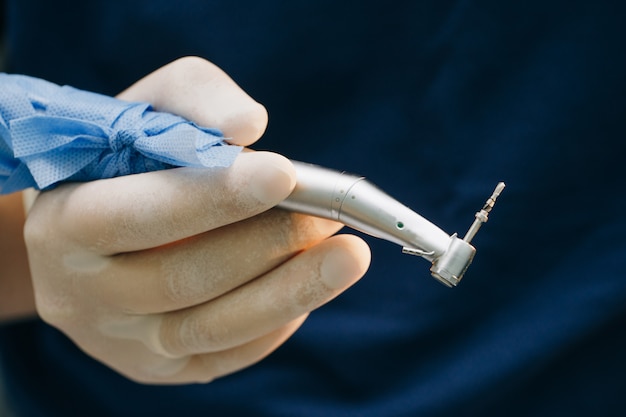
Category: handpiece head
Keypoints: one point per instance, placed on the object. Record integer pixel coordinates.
(449, 267)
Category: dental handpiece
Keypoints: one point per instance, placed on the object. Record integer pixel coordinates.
(357, 203)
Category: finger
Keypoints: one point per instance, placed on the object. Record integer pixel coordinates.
(198, 90)
(125, 352)
(206, 367)
(295, 288)
(148, 210)
(206, 266)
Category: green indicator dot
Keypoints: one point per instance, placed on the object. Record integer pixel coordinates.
(400, 225)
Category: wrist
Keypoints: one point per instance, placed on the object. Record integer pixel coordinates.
(16, 290)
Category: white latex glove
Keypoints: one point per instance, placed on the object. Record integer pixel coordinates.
(184, 275)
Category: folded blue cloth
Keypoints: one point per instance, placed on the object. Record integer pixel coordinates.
(50, 134)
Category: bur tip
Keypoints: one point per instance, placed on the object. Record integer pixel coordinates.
(499, 189)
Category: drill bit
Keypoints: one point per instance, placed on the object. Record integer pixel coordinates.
(483, 215)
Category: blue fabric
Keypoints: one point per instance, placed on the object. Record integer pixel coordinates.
(435, 101)
(50, 134)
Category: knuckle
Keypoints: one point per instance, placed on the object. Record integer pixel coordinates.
(196, 69)
(191, 63)
(204, 335)
(193, 335)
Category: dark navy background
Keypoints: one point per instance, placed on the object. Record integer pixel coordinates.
(435, 101)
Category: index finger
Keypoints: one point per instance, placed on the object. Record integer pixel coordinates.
(143, 211)
(198, 90)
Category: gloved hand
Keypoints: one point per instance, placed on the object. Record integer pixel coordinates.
(185, 275)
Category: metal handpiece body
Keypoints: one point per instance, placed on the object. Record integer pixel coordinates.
(355, 202)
